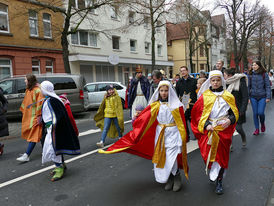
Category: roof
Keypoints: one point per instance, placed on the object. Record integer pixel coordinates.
(218, 19)
(177, 31)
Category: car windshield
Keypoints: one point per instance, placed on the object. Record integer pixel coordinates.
(6, 86)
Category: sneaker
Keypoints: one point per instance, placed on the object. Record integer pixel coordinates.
(256, 132)
(100, 144)
(263, 128)
(23, 158)
(59, 174)
(1, 149)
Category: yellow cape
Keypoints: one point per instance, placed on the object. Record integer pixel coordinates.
(100, 116)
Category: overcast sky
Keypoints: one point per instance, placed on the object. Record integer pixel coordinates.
(207, 4)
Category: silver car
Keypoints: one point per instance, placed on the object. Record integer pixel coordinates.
(94, 93)
(14, 90)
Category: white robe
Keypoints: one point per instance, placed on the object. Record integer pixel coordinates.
(140, 99)
(173, 145)
(220, 109)
(48, 151)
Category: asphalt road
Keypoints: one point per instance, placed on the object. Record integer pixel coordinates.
(124, 179)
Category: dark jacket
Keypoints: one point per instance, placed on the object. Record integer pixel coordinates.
(185, 87)
(259, 86)
(65, 140)
(4, 129)
(145, 86)
(241, 98)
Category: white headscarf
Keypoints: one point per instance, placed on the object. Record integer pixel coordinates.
(47, 89)
(173, 100)
(207, 84)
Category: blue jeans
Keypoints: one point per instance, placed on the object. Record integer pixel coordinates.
(258, 107)
(107, 123)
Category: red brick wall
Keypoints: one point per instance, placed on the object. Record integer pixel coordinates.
(22, 59)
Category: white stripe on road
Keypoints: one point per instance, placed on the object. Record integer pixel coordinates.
(92, 131)
(192, 145)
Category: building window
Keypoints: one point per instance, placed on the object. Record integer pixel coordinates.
(4, 19)
(146, 21)
(133, 45)
(89, 3)
(159, 50)
(33, 23)
(147, 47)
(114, 12)
(115, 42)
(80, 4)
(158, 26)
(131, 17)
(49, 66)
(5, 68)
(47, 25)
(201, 50)
(93, 39)
(35, 66)
(84, 38)
(202, 66)
(74, 38)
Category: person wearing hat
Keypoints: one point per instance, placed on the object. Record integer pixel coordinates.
(149, 78)
(59, 135)
(213, 122)
(110, 117)
(139, 91)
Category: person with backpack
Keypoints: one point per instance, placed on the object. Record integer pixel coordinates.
(260, 93)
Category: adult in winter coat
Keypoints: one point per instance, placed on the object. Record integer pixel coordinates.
(186, 91)
(237, 85)
(4, 129)
(260, 93)
(31, 109)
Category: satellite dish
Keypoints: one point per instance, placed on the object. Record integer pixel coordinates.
(113, 59)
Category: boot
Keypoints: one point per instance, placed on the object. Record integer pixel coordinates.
(263, 128)
(59, 173)
(219, 187)
(256, 132)
(169, 183)
(52, 172)
(177, 182)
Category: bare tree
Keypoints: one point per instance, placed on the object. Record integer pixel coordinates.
(243, 21)
(153, 14)
(198, 23)
(76, 10)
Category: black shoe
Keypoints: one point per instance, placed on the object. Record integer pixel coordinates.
(170, 182)
(219, 187)
(177, 182)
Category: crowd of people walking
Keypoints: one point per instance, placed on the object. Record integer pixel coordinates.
(163, 115)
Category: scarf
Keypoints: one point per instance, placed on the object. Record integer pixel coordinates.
(234, 82)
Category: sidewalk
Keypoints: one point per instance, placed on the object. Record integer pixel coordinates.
(270, 201)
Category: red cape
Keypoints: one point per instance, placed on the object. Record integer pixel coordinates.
(140, 141)
(225, 136)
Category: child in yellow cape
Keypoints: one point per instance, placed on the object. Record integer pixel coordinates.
(159, 134)
(110, 117)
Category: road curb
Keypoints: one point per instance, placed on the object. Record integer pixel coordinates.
(270, 201)
(8, 137)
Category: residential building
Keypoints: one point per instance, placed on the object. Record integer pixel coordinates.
(29, 42)
(111, 42)
(178, 48)
(218, 34)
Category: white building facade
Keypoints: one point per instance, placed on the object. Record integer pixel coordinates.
(109, 45)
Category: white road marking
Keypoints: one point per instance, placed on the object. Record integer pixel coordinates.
(93, 131)
(192, 145)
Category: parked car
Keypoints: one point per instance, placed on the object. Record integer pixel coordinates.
(94, 93)
(14, 90)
